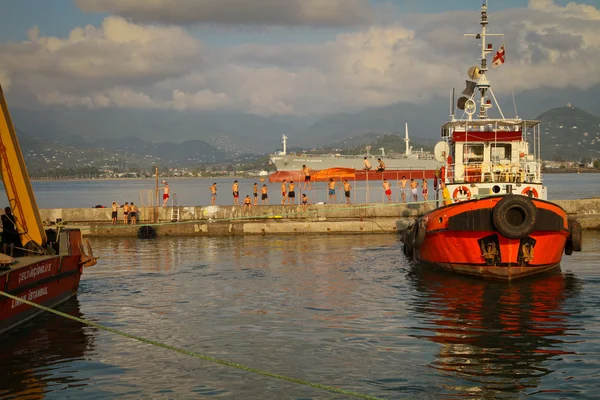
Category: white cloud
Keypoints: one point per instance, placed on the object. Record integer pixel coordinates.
(124, 64)
(236, 12)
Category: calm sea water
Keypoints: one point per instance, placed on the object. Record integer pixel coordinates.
(347, 311)
(195, 192)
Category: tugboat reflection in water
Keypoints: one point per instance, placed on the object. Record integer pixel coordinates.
(494, 339)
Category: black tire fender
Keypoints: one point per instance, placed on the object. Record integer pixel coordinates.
(576, 235)
(409, 241)
(569, 247)
(146, 232)
(421, 231)
(514, 216)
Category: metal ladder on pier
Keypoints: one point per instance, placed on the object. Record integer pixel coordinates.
(174, 209)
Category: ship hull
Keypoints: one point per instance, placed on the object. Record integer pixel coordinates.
(352, 175)
(503, 237)
(47, 280)
(290, 162)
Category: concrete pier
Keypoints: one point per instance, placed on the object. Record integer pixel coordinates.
(275, 219)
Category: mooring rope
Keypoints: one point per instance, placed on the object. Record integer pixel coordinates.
(193, 354)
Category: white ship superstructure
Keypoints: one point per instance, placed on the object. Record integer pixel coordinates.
(410, 160)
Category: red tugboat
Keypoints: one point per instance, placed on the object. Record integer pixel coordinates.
(37, 265)
(495, 220)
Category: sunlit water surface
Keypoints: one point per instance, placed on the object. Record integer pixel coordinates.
(345, 311)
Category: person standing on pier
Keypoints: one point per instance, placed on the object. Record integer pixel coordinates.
(292, 193)
(306, 172)
(331, 186)
(264, 196)
(115, 212)
(213, 194)
(347, 188)
(425, 190)
(413, 190)
(284, 191)
(255, 193)
(133, 213)
(388, 190)
(402, 186)
(126, 213)
(236, 193)
(165, 194)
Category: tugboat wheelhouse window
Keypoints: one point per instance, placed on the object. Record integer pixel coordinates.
(501, 151)
(473, 153)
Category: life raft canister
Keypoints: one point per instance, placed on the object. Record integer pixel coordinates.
(514, 216)
(461, 191)
(530, 192)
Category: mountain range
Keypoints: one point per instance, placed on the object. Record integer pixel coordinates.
(191, 137)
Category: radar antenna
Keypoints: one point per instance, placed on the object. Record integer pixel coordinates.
(482, 84)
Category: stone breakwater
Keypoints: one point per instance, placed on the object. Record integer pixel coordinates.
(275, 219)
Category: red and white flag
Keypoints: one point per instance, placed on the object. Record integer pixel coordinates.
(499, 57)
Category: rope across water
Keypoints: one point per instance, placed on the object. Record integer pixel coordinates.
(193, 354)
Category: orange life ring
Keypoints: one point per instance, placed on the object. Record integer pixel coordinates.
(533, 191)
(461, 190)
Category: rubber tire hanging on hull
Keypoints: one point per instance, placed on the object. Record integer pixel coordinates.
(514, 216)
(575, 239)
(420, 231)
(408, 242)
(146, 232)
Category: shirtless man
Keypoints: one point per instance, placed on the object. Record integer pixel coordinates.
(292, 193)
(166, 194)
(388, 190)
(413, 190)
(133, 213)
(115, 212)
(213, 194)
(425, 190)
(264, 197)
(126, 213)
(284, 191)
(306, 172)
(381, 166)
(247, 204)
(236, 193)
(402, 185)
(332, 196)
(347, 188)
(367, 164)
(255, 193)
(304, 202)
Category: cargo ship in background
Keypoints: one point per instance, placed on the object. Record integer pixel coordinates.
(412, 164)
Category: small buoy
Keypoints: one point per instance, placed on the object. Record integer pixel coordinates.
(146, 232)
(262, 179)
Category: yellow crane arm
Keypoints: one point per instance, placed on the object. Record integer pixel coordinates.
(17, 184)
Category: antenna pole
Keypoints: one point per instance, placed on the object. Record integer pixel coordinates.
(406, 139)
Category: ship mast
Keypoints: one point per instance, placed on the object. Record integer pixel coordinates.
(406, 140)
(284, 145)
(482, 84)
